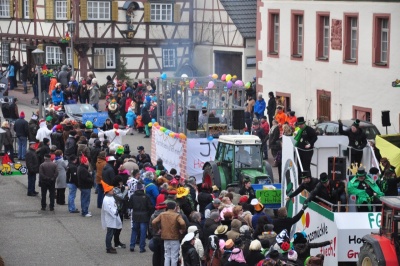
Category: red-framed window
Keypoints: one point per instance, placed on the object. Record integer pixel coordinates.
(297, 30)
(350, 41)
(273, 32)
(381, 40)
(323, 36)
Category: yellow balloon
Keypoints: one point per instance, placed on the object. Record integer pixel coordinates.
(150, 124)
(214, 76)
(303, 219)
(172, 134)
(228, 77)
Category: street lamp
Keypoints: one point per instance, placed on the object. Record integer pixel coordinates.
(38, 57)
(71, 29)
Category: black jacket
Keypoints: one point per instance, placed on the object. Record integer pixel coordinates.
(21, 128)
(33, 129)
(271, 107)
(309, 187)
(303, 250)
(357, 140)
(13, 108)
(72, 174)
(70, 147)
(190, 255)
(253, 257)
(249, 192)
(141, 206)
(57, 140)
(274, 138)
(32, 161)
(48, 172)
(45, 149)
(108, 174)
(286, 223)
(330, 193)
(94, 152)
(308, 136)
(209, 228)
(204, 199)
(85, 180)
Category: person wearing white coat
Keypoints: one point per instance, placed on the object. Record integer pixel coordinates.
(197, 244)
(43, 132)
(115, 136)
(110, 219)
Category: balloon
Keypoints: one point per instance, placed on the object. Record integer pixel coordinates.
(223, 77)
(167, 131)
(239, 83)
(214, 76)
(182, 136)
(246, 133)
(184, 76)
(192, 83)
(150, 124)
(162, 129)
(303, 219)
(229, 84)
(163, 76)
(176, 135)
(172, 134)
(307, 219)
(153, 120)
(210, 84)
(248, 85)
(210, 138)
(228, 77)
(156, 124)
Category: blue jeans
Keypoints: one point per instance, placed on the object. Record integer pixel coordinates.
(22, 147)
(35, 91)
(11, 81)
(109, 236)
(96, 106)
(31, 183)
(25, 85)
(100, 195)
(85, 200)
(143, 229)
(71, 197)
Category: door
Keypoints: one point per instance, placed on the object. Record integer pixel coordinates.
(323, 105)
(228, 63)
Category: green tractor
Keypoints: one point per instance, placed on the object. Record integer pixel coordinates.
(238, 158)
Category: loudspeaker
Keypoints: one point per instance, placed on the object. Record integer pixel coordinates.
(238, 119)
(386, 119)
(337, 168)
(192, 120)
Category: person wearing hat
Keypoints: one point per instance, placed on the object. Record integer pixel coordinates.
(33, 127)
(259, 107)
(32, 163)
(234, 232)
(141, 151)
(171, 225)
(150, 188)
(307, 183)
(141, 207)
(329, 190)
(182, 200)
(365, 189)
(47, 179)
(303, 247)
(57, 138)
(236, 258)
(108, 173)
(115, 135)
(85, 184)
(204, 198)
(387, 182)
(189, 254)
(43, 131)
(43, 149)
(110, 219)
(305, 139)
(357, 141)
(70, 145)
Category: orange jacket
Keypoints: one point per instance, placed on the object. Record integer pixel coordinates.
(53, 82)
(281, 118)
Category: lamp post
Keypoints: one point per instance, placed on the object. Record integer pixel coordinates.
(38, 57)
(71, 29)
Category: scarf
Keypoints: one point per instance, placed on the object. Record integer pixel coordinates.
(297, 138)
(237, 255)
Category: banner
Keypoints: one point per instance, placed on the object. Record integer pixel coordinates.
(201, 150)
(98, 119)
(170, 150)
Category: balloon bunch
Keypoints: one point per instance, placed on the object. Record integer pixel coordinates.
(167, 131)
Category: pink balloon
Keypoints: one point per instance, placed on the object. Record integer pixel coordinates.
(223, 77)
(210, 84)
(229, 84)
(239, 83)
(192, 83)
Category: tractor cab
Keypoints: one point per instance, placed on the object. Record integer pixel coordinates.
(390, 221)
(238, 157)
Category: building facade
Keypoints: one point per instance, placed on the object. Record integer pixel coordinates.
(331, 60)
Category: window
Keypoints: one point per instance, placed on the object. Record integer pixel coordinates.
(68, 56)
(323, 36)
(380, 53)
(351, 38)
(273, 33)
(23, 46)
(98, 10)
(161, 12)
(251, 62)
(54, 55)
(169, 58)
(104, 58)
(61, 10)
(297, 34)
(5, 8)
(26, 9)
(362, 113)
(5, 53)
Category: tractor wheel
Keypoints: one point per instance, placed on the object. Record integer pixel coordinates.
(208, 175)
(367, 256)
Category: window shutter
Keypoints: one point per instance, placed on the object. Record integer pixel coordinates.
(83, 9)
(68, 9)
(147, 9)
(50, 10)
(20, 9)
(31, 10)
(114, 10)
(12, 9)
(76, 59)
(177, 13)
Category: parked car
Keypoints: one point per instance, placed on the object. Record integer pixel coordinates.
(332, 128)
(75, 111)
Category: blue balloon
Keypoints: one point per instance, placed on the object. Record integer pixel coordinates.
(167, 132)
(246, 133)
(210, 138)
(163, 76)
(153, 120)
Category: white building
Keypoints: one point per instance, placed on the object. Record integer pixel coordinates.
(331, 59)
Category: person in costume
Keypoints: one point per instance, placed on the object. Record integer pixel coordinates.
(115, 135)
(305, 140)
(357, 140)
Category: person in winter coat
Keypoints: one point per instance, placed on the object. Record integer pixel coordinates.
(204, 198)
(307, 183)
(130, 119)
(211, 224)
(142, 208)
(57, 138)
(94, 94)
(282, 222)
(271, 107)
(189, 253)
(70, 145)
(57, 96)
(236, 258)
(83, 92)
(32, 163)
(11, 75)
(108, 125)
(43, 132)
(150, 188)
(110, 218)
(357, 140)
(53, 84)
(21, 129)
(33, 128)
(24, 77)
(47, 178)
(234, 232)
(63, 76)
(8, 140)
(108, 173)
(158, 243)
(254, 256)
(146, 119)
(43, 149)
(72, 183)
(100, 164)
(85, 184)
(303, 247)
(259, 107)
(61, 181)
